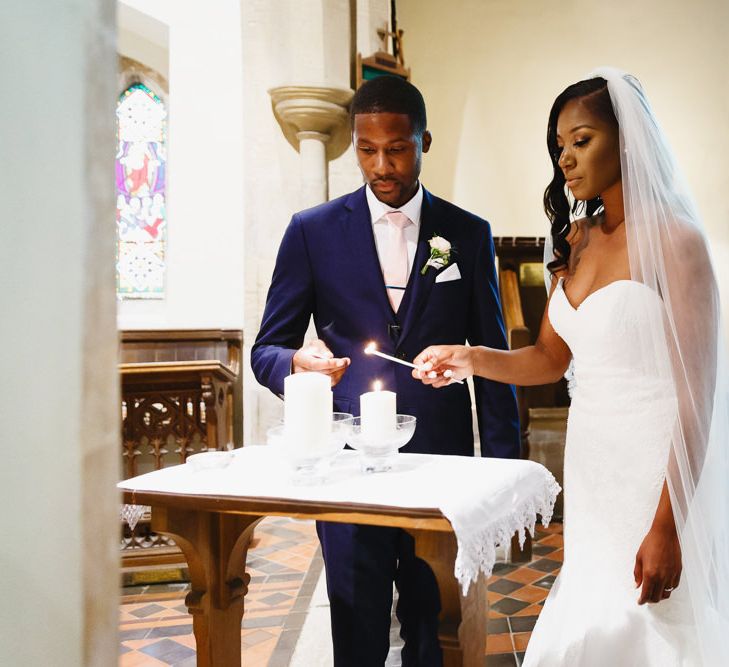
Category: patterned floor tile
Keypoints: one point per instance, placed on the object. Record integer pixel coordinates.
(148, 610)
(509, 606)
(531, 610)
(498, 626)
(256, 637)
(530, 594)
(135, 659)
(521, 639)
(524, 575)
(168, 650)
(284, 563)
(551, 541)
(505, 586)
(545, 565)
(546, 582)
(502, 660)
(522, 623)
(499, 643)
(156, 629)
(170, 630)
(276, 598)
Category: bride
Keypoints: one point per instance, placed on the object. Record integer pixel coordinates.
(633, 312)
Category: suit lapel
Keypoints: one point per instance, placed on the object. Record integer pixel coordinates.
(420, 285)
(360, 239)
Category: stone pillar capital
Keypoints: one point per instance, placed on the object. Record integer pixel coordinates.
(313, 112)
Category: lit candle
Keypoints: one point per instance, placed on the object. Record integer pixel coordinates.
(308, 407)
(378, 410)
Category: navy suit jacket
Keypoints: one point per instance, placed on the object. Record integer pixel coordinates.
(328, 267)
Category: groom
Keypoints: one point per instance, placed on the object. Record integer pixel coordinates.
(358, 264)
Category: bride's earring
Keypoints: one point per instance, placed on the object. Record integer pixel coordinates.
(577, 207)
(571, 201)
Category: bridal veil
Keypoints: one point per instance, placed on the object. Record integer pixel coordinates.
(669, 253)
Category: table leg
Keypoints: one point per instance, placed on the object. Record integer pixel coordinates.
(462, 631)
(215, 546)
(519, 554)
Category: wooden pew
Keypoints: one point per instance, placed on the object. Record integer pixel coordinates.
(523, 298)
(181, 394)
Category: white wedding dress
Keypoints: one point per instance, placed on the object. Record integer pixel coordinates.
(618, 440)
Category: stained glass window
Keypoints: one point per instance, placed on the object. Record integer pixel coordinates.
(141, 221)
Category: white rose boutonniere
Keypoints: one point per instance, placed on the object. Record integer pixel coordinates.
(440, 254)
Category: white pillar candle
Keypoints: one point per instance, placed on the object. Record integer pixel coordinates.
(308, 407)
(378, 410)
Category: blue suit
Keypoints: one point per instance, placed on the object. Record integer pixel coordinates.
(328, 267)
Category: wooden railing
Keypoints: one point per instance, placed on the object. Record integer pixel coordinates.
(542, 409)
(517, 332)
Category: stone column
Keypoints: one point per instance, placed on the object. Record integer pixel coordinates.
(314, 181)
(315, 122)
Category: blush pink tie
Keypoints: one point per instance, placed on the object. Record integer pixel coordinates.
(396, 266)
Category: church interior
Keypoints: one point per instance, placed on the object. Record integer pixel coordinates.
(219, 122)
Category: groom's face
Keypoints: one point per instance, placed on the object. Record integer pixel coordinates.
(389, 155)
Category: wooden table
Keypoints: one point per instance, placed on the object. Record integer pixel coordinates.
(214, 533)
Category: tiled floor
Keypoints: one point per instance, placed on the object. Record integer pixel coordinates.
(516, 595)
(156, 630)
(284, 564)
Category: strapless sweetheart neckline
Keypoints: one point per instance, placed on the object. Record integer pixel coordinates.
(560, 285)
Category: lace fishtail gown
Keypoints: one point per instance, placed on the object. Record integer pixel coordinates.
(618, 439)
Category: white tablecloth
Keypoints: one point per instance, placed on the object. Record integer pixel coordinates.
(486, 500)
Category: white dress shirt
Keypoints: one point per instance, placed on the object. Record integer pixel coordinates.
(382, 230)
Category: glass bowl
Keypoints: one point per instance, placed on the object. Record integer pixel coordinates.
(210, 460)
(308, 463)
(377, 451)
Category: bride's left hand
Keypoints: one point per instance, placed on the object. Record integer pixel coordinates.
(658, 564)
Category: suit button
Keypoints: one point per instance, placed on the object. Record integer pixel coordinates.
(401, 355)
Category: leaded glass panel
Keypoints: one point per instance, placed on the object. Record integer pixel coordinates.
(140, 187)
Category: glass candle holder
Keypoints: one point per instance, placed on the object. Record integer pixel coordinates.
(377, 451)
(309, 464)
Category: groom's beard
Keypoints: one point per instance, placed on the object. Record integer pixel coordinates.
(393, 192)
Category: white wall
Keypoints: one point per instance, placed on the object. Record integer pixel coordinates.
(205, 252)
(59, 425)
(143, 38)
(491, 70)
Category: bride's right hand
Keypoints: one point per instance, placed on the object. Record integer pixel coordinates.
(440, 365)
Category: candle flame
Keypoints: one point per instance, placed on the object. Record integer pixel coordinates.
(377, 386)
(371, 347)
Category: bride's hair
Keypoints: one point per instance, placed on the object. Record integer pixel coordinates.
(595, 96)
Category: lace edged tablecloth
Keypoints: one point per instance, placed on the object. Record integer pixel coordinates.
(486, 501)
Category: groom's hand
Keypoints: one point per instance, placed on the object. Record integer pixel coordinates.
(315, 356)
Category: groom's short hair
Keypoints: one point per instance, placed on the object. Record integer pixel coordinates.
(390, 94)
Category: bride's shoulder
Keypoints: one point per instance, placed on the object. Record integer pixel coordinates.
(686, 234)
(686, 244)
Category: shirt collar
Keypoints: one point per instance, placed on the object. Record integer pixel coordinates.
(411, 209)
